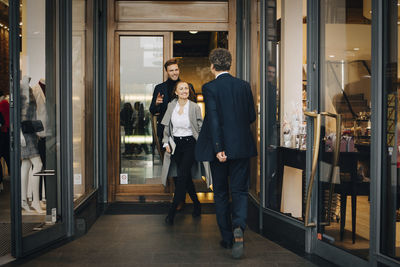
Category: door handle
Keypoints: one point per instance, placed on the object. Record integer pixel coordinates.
(317, 137)
(335, 161)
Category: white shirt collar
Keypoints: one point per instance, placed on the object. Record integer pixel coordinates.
(221, 74)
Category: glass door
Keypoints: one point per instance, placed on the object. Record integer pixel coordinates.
(344, 128)
(140, 59)
(38, 125)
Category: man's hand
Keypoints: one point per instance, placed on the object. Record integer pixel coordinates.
(221, 156)
(168, 149)
(159, 99)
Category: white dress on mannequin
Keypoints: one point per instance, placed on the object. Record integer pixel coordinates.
(29, 152)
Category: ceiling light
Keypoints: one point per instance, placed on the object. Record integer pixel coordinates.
(20, 24)
(177, 41)
(193, 32)
(331, 56)
(36, 32)
(356, 48)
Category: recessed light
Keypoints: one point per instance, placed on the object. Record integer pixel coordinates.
(331, 56)
(193, 32)
(36, 32)
(356, 48)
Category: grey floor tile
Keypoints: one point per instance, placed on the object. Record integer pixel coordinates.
(144, 240)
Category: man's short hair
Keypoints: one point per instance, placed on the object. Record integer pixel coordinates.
(172, 61)
(271, 65)
(221, 58)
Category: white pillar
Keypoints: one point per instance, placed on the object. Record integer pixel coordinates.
(291, 57)
(291, 93)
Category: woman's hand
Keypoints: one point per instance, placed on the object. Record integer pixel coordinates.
(168, 149)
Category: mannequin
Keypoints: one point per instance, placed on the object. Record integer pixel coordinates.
(29, 149)
(39, 91)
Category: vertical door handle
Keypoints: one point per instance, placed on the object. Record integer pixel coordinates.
(335, 160)
(317, 137)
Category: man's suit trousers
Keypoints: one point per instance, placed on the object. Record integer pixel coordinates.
(237, 171)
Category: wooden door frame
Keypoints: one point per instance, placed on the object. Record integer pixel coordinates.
(137, 27)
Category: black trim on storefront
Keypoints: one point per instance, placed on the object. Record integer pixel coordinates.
(102, 100)
(15, 119)
(66, 145)
(377, 130)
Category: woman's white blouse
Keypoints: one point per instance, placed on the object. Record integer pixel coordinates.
(180, 122)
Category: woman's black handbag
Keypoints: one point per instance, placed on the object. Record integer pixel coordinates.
(32, 126)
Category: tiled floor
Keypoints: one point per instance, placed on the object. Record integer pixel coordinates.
(144, 240)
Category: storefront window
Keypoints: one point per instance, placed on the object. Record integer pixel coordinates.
(345, 54)
(285, 101)
(82, 98)
(254, 188)
(390, 207)
(5, 230)
(40, 122)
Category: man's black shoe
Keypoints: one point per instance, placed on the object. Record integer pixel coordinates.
(225, 244)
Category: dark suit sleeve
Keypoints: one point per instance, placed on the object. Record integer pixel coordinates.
(212, 114)
(153, 108)
(252, 112)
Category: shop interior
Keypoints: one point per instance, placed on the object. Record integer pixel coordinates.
(344, 203)
(5, 219)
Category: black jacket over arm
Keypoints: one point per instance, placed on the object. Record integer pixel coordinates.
(229, 113)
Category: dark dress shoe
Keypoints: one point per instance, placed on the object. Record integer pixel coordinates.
(225, 244)
(169, 220)
(238, 244)
(196, 211)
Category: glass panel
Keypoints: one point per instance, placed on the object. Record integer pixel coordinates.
(192, 49)
(254, 187)
(390, 224)
(344, 207)
(82, 98)
(39, 123)
(5, 216)
(285, 99)
(141, 69)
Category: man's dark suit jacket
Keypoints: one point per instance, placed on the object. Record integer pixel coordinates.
(165, 89)
(229, 113)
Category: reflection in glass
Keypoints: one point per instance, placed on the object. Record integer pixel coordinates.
(390, 205)
(39, 123)
(82, 98)
(5, 216)
(344, 207)
(141, 69)
(285, 98)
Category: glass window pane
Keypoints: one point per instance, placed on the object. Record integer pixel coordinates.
(285, 101)
(82, 98)
(390, 207)
(5, 216)
(344, 206)
(39, 123)
(141, 69)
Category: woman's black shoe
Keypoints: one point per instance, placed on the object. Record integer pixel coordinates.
(196, 210)
(169, 220)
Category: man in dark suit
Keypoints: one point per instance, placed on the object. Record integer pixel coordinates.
(226, 141)
(162, 94)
